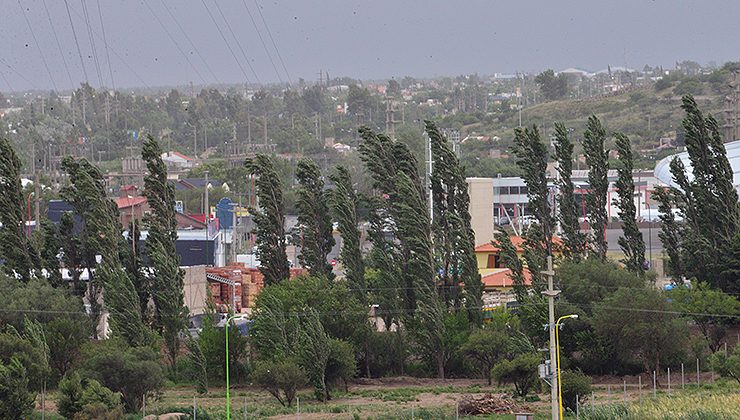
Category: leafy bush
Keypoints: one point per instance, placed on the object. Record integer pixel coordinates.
(132, 371)
(284, 376)
(78, 400)
(574, 385)
(70, 395)
(16, 401)
(521, 371)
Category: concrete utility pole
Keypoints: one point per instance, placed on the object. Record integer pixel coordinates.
(551, 293)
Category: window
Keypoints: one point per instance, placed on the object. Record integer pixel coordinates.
(493, 261)
(523, 190)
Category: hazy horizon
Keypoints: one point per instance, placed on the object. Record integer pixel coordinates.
(147, 47)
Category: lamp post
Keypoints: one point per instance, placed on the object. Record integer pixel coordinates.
(557, 346)
(650, 233)
(228, 401)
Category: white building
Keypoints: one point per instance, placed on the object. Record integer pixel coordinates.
(178, 160)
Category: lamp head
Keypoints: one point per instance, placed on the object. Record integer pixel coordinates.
(573, 316)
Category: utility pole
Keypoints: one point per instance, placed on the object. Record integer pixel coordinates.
(429, 176)
(551, 293)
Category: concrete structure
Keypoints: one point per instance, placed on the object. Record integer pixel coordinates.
(481, 208)
(195, 289)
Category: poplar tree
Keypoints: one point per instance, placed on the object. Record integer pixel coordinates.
(343, 202)
(269, 220)
(531, 156)
(597, 159)
(453, 237)
(314, 219)
(510, 259)
(102, 233)
(670, 233)
(14, 246)
(631, 242)
(166, 276)
(573, 239)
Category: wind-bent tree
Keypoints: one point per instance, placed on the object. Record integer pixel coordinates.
(597, 159)
(709, 200)
(631, 242)
(573, 239)
(314, 219)
(510, 260)
(102, 233)
(343, 203)
(453, 236)
(670, 233)
(166, 276)
(269, 220)
(531, 156)
(14, 246)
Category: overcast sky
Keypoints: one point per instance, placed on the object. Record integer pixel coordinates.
(360, 39)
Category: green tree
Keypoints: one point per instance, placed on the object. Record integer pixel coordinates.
(317, 238)
(102, 233)
(343, 202)
(342, 365)
(573, 240)
(511, 260)
(270, 220)
(454, 241)
(576, 388)
(631, 242)
(712, 310)
(728, 365)
(486, 346)
(597, 159)
(69, 395)
(281, 379)
(16, 401)
(314, 353)
(520, 371)
(14, 247)
(166, 276)
(135, 372)
(642, 327)
(65, 337)
(670, 234)
(552, 86)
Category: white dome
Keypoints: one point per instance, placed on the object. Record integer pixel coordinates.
(663, 168)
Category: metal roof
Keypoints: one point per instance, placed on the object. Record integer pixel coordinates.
(663, 169)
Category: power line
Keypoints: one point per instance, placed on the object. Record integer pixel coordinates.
(262, 42)
(105, 44)
(77, 42)
(269, 33)
(21, 75)
(192, 44)
(5, 79)
(92, 43)
(231, 50)
(238, 44)
(59, 45)
(33, 34)
(174, 42)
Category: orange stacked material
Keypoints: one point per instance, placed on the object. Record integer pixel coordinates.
(249, 284)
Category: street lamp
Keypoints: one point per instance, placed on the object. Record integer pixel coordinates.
(557, 346)
(228, 401)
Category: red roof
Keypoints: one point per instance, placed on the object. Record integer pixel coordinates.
(129, 188)
(125, 202)
(502, 278)
(180, 155)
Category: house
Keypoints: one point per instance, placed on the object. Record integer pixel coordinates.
(490, 262)
(178, 160)
(131, 206)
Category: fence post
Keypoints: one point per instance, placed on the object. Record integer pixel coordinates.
(457, 410)
(609, 392)
(654, 384)
(697, 371)
(143, 406)
(578, 406)
(195, 409)
(245, 408)
(683, 386)
(639, 385)
(669, 381)
(592, 400)
(624, 386)
(298, 407)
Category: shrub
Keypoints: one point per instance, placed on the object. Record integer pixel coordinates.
(574, 385)
(70, 395)
(276, 376)
(521, 371)
(16, 401)
(78, 400)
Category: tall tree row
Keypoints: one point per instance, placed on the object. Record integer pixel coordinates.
(102, 232)
(597, 159)
(166, 277)
(314, 219)
(631, 242)
(454, 241)
(14, 246)
(573, 239)
(269, 219)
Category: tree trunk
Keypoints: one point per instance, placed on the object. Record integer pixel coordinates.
(440, 367)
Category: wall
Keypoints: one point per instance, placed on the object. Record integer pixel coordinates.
(481, 208)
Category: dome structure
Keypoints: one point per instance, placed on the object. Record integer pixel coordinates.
(663, 170)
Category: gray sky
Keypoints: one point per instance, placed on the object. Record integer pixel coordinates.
(360, 39)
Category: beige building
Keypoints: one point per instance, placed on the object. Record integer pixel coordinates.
(481, 209)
